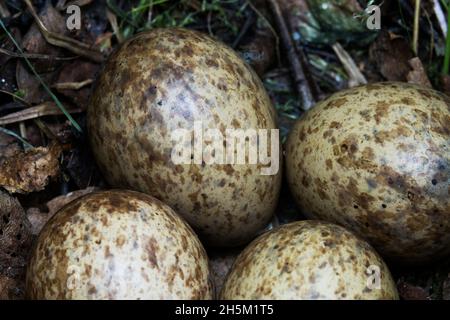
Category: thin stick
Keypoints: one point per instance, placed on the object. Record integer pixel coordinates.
(45, 109)
(16, 97)
(41, 125)
(355, 76)
(114, 25)
(248, 23)
(301, 82)
(72, 85)
(33, 55)
(416, 26)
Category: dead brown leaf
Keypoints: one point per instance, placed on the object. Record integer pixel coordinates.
(30, 86)
(391, 55)
(31, 170)
(418, 75)
(34, 41)
(60, 40)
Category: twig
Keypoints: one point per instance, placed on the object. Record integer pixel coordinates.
(44, 109)
(16, 97)
(248, 23)
(112, 18)
(23, 134)
(150, 14)
(301, 82)
(208, 21)
(34, 55)
(416, 27)
(72, 85)
(45, 129)
(58, 40)
(355, 76)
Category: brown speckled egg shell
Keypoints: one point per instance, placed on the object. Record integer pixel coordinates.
(118, 245)
(376, 159)
(309, 260)
(167, 79)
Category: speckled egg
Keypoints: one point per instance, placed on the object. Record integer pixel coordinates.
(376, 159)
(173, 79)
(309, 260)
(118, 245)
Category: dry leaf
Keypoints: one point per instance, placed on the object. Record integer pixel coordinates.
(44, 109)
(391, 55)
(34, 41)
(30, 86)
(418, 74)
(31, 170)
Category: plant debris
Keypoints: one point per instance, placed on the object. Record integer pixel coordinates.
(30, 170)
(15, 236)
(304, 50)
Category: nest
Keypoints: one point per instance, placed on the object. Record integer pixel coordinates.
(15, 236)
(10, 289)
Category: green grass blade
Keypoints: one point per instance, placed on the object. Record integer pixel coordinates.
(15, 135)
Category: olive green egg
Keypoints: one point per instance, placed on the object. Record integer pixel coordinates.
(118, 245)
(166, 80)
(309, 260)
(376, 160)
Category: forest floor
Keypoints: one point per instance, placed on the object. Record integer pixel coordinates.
(46, 73)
